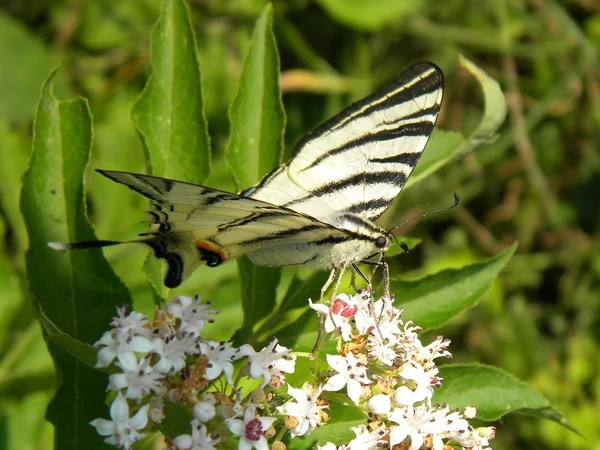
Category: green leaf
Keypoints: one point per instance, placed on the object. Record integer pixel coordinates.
(257, 116)
(434, 300)
(442, 147)
(169, 114)
(77, 290)
(14, 154)
(153, 269)
(83, 352)
(493, 392)
(494, 111)
(259, 291)
(337, 430)
(177, 420)
(371, 15)
(297, 295)
(255, 147)
(445, 146)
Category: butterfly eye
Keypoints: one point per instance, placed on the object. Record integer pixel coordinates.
(380, 242)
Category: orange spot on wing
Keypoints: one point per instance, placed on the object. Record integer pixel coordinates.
(211, 248)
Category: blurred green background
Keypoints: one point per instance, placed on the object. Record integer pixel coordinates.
(538, 183)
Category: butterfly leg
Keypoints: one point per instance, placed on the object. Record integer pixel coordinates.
(338, 282)
(321, 330)
(327, 284)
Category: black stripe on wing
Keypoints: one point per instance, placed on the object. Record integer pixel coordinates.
(414, 129)
(419, 79)
(384, 176)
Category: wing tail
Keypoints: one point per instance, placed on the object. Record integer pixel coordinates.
(182, 256)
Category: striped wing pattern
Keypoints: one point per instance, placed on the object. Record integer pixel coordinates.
(359, 161)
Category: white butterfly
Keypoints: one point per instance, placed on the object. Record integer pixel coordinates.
(318, 209)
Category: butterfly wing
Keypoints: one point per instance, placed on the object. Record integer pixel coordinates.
(193, 224)
(358, 162)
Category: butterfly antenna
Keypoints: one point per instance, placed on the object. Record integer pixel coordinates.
(445, 208)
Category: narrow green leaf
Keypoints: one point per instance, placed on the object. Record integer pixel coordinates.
(169, 115)
(259, 291)
(295, 297)
(370, 15)
(337, 430)
(493, 392)
(83, 352)
(434, 300)
(154, 269)
(300, 290)
(447, 145)
(494, 111)
(257, 116)
(442, 147)
(255, 148)
(177, 420)
(77, 290)
(14, 154)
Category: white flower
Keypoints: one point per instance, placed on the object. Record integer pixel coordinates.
(338, 316)
(173, 350)
(470, 412)
(123, 346)
(351, 373)
(305, 409)
(283, 365)
(204, 411)
(156, 413)
(384, 333)
(139, 382)
(366, 439)
(404, 396)
(327, 446)
(263, 362)
(379, 404)
(410, 348)
(199, 440)
(220, 356)
(366, 317)
(134, 324)
(122, 431)
(251, 430)
(413, 423)
(192, 314)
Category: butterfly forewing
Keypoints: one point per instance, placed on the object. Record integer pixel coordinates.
(359, 161)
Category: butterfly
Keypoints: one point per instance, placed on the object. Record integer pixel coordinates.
(319, 209)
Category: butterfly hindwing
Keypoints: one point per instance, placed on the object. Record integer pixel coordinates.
(192, 224)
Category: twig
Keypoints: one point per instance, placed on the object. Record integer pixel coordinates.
(515, 109)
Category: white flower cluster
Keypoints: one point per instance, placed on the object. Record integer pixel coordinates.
(385, 369)
(168, 357)
(381, 363)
